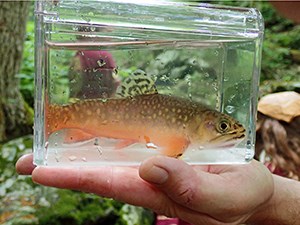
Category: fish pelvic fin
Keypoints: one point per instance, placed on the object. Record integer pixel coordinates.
(138, 83)
(124, 143)
(176, 148)
(76, 135)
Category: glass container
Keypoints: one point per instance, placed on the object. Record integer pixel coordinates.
(120, 81)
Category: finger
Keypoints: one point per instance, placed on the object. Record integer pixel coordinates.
(24, 165)
(220, 191)
(192, 187)
(120, 183)
(174, 177)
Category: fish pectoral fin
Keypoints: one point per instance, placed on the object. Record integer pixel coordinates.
(175, 148)
(124, 143)
(76, 135)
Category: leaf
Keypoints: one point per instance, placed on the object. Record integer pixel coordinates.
(133, 215)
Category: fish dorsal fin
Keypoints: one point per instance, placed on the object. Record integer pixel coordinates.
(73, 100)
(138, 83)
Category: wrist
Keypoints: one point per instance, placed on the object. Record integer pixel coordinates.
(282, 208)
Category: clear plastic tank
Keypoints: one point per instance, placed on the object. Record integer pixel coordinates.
(120, 81)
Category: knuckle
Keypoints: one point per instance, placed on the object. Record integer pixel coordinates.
(185, 194)
(166, 207)
(170, 210)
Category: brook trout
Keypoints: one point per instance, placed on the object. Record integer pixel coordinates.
(168, 122)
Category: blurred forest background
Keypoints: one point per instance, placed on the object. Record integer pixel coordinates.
(22, 202)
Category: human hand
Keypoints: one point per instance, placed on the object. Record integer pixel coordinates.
(196, 194)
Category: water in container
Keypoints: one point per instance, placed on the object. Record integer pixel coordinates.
(120, 81)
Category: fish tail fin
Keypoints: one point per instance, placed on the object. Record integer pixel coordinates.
(50, 120)
(46, 115)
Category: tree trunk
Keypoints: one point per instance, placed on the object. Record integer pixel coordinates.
(15, 118)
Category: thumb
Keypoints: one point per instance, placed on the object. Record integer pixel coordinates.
(178, 180)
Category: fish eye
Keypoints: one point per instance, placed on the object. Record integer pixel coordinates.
(223, 126)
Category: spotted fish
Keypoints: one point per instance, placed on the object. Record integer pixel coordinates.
(168, 123)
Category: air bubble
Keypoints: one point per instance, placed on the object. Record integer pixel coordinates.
(96, 142)
(175, 81)
(215, 86)
(101, 62)
(151, 145)
(229, 109)
(231, 98)
(72, 158)
(188, 80)
(164, 78)
(99, 149)
(248, 144)
(75, 28)
(250, 19)
(83, 159)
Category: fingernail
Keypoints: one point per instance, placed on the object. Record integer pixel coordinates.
(25, 166)
(36, 176)
(156, 175)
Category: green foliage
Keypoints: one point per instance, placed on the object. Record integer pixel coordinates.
(22, 202)
(281, 55)
(81, 208)
(78, 208)
(280, 64)
(26, 74)
(16, 192)
(132, 215)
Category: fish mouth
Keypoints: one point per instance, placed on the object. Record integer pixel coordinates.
(230, 136)
(228, 144)
(227, 140)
